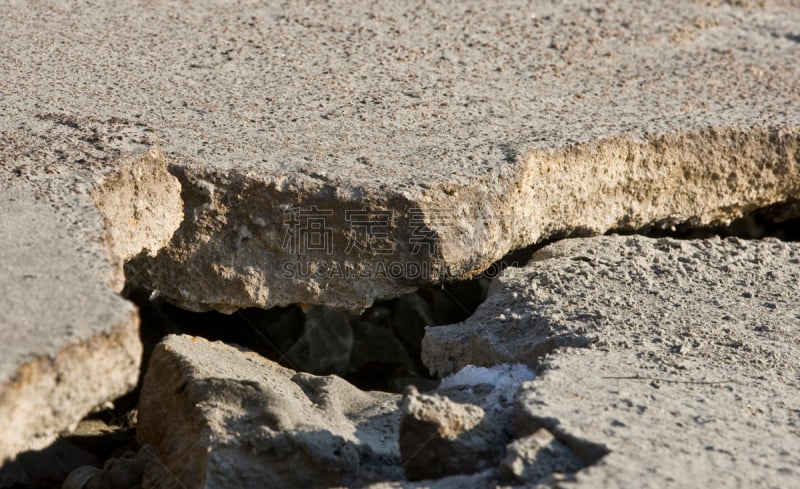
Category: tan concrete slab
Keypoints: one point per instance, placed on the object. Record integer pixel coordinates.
(69, 341)
(501, 124)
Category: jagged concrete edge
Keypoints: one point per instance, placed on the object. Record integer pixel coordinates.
(141, 205)
(138, 191)
(49, 382)
(225, 258)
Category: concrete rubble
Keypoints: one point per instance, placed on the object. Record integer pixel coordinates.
(214, 415)
(226, 155)
(673, 363)
(440, 437)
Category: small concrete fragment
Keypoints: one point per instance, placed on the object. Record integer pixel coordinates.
(688, 375)
(126, 472)
(223, 417)
(535, 458)
(439, 437)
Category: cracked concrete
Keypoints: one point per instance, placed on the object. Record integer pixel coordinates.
(216, 415)
(677, 358)
(501, 125)
(70, 342)
(475, 129)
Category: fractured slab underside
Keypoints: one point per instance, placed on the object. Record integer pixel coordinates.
(466, 129)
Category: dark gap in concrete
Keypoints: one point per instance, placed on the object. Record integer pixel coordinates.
(775, 221)
(379, 349)
(103, 435)
(46, 468)
(376, 350)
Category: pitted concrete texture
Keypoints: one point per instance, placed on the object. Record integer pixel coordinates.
(464, 129)
(69, 343)
(679, 357)
(223, 417)
(220, 416)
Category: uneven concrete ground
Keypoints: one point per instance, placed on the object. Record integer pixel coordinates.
(467, 129)
(463, 129)
(681, 357)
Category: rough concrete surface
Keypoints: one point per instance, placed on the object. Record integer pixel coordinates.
(69, 343)
(223, 417)
(208, 146)
(689, 375)
(439, 437)
(501, 123)
(214, 415)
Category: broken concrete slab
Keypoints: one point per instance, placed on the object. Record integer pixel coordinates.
(452, 133)
(689, 372)
(70, 343)
(219, 416)
(580, 292)
(216, 415)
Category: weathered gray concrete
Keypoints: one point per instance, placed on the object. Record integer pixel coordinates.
(504, 123)
(223, 417)
(440, 437)
(688, 371)
(219, 416)
(70, 343)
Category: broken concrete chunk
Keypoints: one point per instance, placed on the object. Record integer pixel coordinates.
(439, 437)
(668, 291)
(219, 416)
(537, 457)
(223, 417)
(69, 342)
(690, 347)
